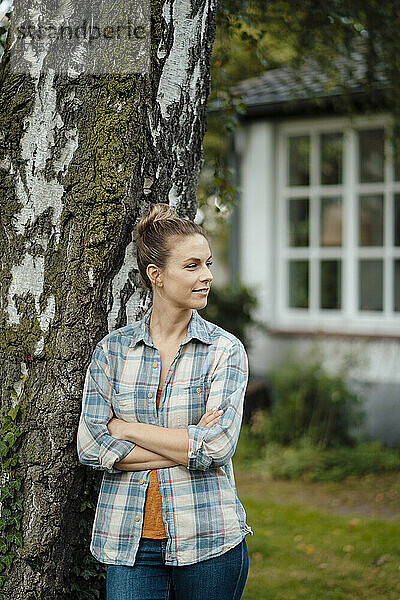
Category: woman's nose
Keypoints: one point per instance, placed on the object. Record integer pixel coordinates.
(207, 275)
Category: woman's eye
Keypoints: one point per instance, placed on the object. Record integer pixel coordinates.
(194, 265)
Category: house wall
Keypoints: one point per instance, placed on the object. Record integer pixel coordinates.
(373, 362)
(255, 148)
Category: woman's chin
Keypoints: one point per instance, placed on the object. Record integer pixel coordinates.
(201, 302)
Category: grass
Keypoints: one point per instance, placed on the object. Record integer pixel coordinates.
(303, 553)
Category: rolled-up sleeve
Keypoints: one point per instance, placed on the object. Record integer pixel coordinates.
(215, 446)
(96, 447)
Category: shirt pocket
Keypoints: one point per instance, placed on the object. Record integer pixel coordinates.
(124, 406)
(137, 405)
(187, 404)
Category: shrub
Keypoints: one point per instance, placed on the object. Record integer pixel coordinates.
(231, 308)
(307, 401)
(306, 432)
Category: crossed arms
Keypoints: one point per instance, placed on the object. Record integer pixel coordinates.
(114, 445)
(156, 447)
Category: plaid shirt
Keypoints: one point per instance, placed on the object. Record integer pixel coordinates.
(202, 513)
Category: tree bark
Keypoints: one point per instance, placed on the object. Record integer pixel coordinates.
(81, 158)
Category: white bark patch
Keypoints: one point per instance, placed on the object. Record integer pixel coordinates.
(78, 59)
(26, 277)
(133, 306)
(175, 76)
(39, 193)
(180, 77)
(35, 191)
(173, 196)
(39, 346)
(90, 277)
(47, 315)
(194, 79)
(119, 282)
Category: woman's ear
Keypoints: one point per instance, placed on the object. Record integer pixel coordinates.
(154, 274)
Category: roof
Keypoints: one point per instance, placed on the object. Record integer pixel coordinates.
(290, 90)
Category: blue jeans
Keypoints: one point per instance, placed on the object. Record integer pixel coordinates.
(220, 578)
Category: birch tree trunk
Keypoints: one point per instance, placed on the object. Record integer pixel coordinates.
(81, 158)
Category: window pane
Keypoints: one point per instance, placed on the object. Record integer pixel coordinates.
(331, 284)
(396, 236)
(397, 285)
(331, 222)
(371, 220)
(371, 285)
(299, 160)
(298, 222)
(331, 158)
(371, 147)
(298, 284)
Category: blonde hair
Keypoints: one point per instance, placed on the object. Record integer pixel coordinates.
(152, 235)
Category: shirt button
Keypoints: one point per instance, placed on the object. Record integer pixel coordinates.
(137, 518)
(154, 365)
(149, 395)
(198, 390)
(141, 481)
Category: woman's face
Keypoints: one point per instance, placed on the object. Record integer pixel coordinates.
(187, 270)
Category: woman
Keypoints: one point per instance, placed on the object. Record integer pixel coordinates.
(161, 415)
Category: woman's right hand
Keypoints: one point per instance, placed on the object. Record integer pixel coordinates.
(210, 418)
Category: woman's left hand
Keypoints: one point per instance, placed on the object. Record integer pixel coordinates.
(117, 428)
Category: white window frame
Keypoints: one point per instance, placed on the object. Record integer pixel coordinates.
(349, 319)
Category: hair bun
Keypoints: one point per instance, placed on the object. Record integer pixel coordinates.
(160, 211)
(152, 236)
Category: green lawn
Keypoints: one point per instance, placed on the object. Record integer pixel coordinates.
(303, 553)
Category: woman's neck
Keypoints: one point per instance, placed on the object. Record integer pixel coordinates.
(169, 325)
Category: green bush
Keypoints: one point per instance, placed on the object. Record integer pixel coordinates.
(307, 401)
(306, 433)
(231, 308)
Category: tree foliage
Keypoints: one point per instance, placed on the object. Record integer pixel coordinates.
(254, 36)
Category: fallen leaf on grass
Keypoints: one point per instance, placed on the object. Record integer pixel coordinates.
(309, 549)
(354, 522)
(381, 560)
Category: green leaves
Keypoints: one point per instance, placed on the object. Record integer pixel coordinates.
(11, 501)
(13, 412)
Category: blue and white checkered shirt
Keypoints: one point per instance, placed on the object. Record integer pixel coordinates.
(202, 513)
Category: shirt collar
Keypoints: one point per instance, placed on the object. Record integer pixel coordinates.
(196, 329)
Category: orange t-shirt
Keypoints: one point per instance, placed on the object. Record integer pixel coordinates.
(153, 525)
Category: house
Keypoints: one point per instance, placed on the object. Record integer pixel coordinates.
(318, 230)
